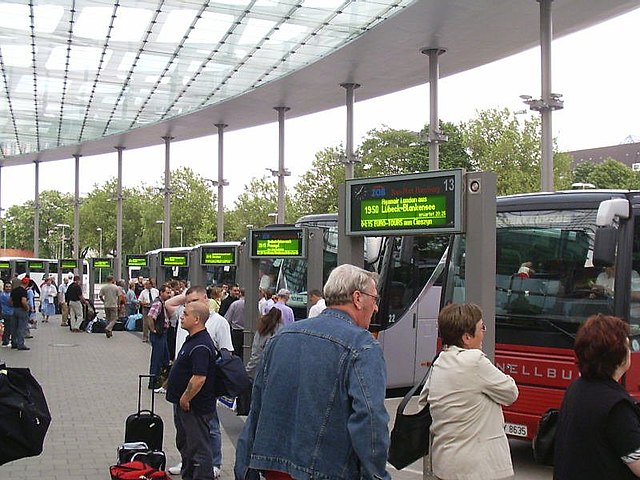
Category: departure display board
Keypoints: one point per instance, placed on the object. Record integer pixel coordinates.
(4, 265)
(137, 261)
(218, 255)
(68, 264)
(102, 263)
(36, 266)
(174, 259)
(419, 203)
(289, 242)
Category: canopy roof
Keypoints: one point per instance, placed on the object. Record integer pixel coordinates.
(124, 73)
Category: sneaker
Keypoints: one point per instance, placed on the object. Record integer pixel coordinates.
(160, 390)
(216, 472)
(6, 345)
(176, 469)
(23, 348)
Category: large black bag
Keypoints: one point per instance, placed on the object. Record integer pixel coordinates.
(24, 415)
(144, 425)
(410, 434)
(231, 378)
(545, 440)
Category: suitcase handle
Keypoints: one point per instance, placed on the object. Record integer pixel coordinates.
(153, 393)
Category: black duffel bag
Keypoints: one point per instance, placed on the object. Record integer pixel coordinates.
(24, 415)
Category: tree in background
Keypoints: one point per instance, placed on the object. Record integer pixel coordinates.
(54, 210)
(317, 190)
(499, 143)
(254, 206)
(608, 174)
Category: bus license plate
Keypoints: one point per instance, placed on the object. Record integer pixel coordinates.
(515, 429)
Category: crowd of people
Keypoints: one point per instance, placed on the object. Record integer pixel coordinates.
(331, 422)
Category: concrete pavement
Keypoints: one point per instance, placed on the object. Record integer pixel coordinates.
(91, 385)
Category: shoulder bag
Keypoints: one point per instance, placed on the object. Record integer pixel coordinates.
(545, 439)
(231, 378)
(410, 433)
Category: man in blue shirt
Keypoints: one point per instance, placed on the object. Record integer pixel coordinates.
(191, 390)
(7, 314)
(317, 406)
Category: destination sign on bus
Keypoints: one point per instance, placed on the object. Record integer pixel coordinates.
(4, 265)
(218, 256)
(102, 263)
(174, 259)
(68, 264)
(287, 242)
(137, 260)
(429, 202)
(36, 266)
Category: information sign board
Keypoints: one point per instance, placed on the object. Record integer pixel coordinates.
(36, 266)
(69, 264)
(174, 259)
(4, 265)
(102, 263)
(287, 242)
(218, 255)
(429, 202)
(134, 260)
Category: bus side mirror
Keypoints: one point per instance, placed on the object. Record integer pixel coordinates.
(604, 247)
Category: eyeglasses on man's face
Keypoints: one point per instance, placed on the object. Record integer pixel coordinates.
(376, 298)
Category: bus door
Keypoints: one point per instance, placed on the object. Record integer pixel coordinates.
(410, 303)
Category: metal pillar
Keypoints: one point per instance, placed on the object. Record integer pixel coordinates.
(221, 183)
(119, 257)
(435, 135)
(549, 101)
(480, 266)
(282, 172)
(545, 58)
(166, 226)
(36, 211)
(76, 216)
(350, 98)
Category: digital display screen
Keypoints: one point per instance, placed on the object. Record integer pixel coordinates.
(137, 261)
(5, 265)
(429, 202)
(218, 256)
(36, 266)
(278, 243)
(69, 264)
(102, 263)
(174, 259)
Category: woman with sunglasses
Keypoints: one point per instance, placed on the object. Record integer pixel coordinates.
(466, 393)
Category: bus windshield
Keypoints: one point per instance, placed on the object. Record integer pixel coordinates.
(546, 283)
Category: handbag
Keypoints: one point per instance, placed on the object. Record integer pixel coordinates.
(24, 415)
(136, 471)
(410, 433)
(545, 439)
(231, 378)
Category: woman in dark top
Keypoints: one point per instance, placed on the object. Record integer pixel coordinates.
(598, 432)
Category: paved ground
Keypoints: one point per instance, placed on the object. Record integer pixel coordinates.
(91, 385)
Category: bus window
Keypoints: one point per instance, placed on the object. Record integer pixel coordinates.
(408, 262)
(546, 284)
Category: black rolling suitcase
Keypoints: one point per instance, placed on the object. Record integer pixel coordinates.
(144, 425)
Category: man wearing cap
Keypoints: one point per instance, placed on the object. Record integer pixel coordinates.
(20, 314)
(281, 304)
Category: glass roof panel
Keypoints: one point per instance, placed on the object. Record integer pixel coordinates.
(107, 66)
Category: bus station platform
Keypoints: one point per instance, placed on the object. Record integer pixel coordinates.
(91, 386)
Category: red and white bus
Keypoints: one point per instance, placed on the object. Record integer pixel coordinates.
(538, 312)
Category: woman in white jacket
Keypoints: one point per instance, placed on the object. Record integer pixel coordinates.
(466, 393)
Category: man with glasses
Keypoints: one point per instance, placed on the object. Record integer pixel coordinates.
(331, 421)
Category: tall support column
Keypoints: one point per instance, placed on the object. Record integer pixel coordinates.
(282, 172)
(350, 99)
(221, 183)
(36, 211)
(166, 226)
(76, 215)
(435, 135)
(119, 257)
(545, 58)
